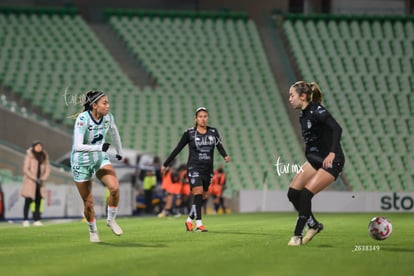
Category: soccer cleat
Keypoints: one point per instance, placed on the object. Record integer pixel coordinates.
(37, 223)
(114, 227)
(189, 226)
(201, 228)
(94, 237)
(26, 223)
(312, 233)
(295, 241)
(162, 214)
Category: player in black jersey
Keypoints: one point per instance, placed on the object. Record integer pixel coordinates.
(201, 141)
(325, 159)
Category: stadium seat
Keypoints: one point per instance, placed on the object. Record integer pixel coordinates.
(368, 66)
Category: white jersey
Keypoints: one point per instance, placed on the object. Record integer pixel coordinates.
(88, 137)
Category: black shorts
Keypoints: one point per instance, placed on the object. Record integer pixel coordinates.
(317, 161)
(199, 179)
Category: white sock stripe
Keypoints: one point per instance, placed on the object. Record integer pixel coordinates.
(192, 211)
(112, 212)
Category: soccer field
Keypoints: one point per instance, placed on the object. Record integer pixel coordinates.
(236, 244)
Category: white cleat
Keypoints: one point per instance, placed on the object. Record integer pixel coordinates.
(312, 233)
(94, 237)
(26, 223)
(37, 223)
(114, 227)
(295, 241)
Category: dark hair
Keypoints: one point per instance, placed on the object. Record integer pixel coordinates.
(92, 97)
(36, 142)
(201, 108)
(39, 155)
(311, 90)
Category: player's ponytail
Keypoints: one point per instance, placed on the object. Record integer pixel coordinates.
(311, 90)
(316, 95)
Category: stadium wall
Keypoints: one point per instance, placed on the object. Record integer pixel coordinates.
(63, 201)
(22, 131)
(329, 201)
(13, 161)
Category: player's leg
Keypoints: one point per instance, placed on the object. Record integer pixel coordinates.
(203, 189)
(85, 191)
(107, 176)
(221, 203)
(319, 182)
(299, 181)
(216, 202)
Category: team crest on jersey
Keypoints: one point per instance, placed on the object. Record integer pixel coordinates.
(309, 124)
(106, 124)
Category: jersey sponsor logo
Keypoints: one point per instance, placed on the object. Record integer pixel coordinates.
(206, 141)
(92, 128)
(97, 138)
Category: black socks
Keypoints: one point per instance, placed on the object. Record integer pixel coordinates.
(305, 207)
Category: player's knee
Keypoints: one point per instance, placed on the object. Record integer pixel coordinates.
(306, 194)
(114, 190)
(88, 203)
(293, 195)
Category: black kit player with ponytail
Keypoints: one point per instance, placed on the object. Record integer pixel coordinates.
(325, 158)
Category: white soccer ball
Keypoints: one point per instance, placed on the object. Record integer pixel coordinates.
(379, 228)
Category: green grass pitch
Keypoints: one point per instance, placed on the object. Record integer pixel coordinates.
(236, 244)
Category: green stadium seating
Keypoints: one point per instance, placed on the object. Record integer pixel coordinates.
(211, 59)
(365, 68)
(43, 55)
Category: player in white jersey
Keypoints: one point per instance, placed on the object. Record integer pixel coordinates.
(89, 156)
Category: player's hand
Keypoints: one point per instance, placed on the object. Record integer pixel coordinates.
(227, 159)
(119, 157)
(105, 147)
(327, 162)
(163, 170)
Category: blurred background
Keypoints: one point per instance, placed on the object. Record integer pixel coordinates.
(159, 60)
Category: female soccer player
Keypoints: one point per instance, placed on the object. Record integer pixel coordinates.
(325, 159)
(89, 156)
(201, 140)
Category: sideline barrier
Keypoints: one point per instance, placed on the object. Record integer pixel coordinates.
(64, 201)
(329, 201)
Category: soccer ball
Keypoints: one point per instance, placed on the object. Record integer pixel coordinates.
(379, 228)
